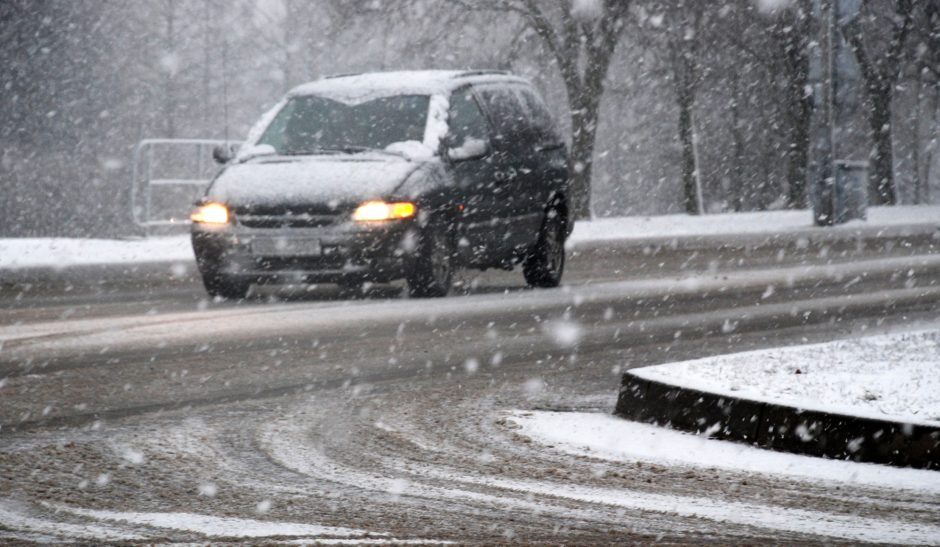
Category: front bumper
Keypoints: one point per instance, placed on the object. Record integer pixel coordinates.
(349, 251)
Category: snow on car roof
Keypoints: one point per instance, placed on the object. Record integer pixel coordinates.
(361, 87)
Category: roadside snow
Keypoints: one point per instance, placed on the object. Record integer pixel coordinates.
(610, 438)
(761, 222)
(893, 377)
(214, 526)
(65, 252)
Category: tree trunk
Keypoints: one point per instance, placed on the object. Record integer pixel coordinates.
(798, 157)
(585, 110)
(796, 49)
(881, 185)
(736, 175)
(801, 118)
(169, 84)
(915, 149)
(584, 132)
(686, 136)
(931, 139)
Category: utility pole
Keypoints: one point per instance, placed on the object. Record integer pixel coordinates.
(824, 211)
(839, 190)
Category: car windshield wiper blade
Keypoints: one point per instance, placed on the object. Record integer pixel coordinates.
(328, 150)
(350, 149)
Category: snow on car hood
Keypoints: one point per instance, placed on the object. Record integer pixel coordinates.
(310, 180)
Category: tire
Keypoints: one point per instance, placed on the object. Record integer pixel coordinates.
(226, 287)
(430, 273)
(545, 263)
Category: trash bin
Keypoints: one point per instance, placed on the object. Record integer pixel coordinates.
(846, 199)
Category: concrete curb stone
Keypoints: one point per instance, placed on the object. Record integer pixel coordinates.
(779, 427)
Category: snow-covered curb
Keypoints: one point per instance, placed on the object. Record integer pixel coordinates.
(610, 438)
(891, 377)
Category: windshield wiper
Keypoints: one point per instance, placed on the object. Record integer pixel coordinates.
(348, 149)
(328, 150)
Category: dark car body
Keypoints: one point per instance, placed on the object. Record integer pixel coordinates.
(479, 177)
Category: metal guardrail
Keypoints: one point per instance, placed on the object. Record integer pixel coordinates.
(145, 176)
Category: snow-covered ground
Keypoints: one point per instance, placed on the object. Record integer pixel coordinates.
(65, 252)
(762, 222)
(111, 526)
(610, 438)
(892, 377)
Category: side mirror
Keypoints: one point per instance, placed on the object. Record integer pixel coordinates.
(224, 153)
(469, 150)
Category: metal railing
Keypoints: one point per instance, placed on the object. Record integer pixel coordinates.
(191, 168)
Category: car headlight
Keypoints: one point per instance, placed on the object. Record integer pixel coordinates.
(381, 210)
(210, 213)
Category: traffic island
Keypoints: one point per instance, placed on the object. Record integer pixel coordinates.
(762, 398)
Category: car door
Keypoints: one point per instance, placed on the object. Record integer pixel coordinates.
(547, 154)
(513, 160)
(478, 197)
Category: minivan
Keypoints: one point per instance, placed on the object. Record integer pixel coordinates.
(383, 176)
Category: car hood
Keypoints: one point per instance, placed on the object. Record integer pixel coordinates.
(329, 180)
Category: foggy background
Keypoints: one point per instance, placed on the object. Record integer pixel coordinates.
(84, 80)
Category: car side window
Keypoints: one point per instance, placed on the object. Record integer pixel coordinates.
(465, 121)
(506, 112)
(543, 124)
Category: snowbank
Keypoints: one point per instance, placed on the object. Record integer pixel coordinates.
(762, 222)
(610, 438)
(892, 377)
(65, 252)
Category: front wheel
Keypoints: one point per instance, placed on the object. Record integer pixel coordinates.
(430, 273)
(545, 263)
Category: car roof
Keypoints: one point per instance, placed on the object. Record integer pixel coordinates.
(353, 87)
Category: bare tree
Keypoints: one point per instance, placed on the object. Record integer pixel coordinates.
(581, 36)
(792, 33)
(684, 27)
(880, 66)
(673, 29)
(780, 41)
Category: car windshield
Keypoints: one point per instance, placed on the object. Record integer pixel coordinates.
(313, 124)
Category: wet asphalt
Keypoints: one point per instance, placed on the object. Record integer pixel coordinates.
(225, 378)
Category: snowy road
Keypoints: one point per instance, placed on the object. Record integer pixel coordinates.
(146, 415)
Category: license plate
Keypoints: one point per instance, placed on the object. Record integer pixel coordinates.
(283, 246)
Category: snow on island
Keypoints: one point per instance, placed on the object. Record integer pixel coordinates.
(607, 437)
(890, 377)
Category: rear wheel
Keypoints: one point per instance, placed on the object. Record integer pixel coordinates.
(430, 273)
(219, 285)
(545, 263)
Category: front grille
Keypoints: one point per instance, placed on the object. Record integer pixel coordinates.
(288, 216)
(287, 221)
